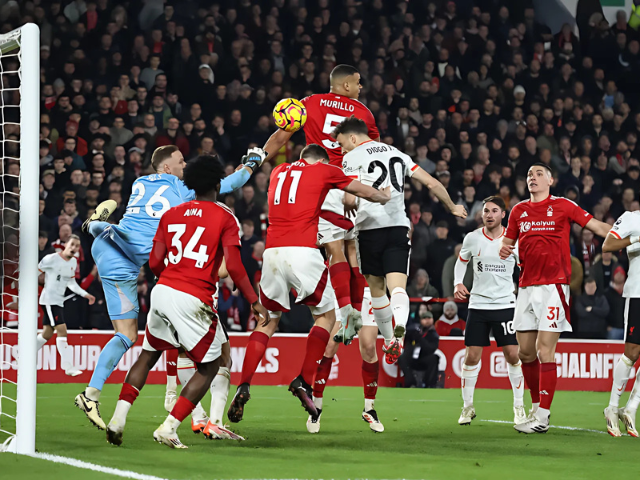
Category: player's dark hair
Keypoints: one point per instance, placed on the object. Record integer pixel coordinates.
(314, 151)
(161, 154)
(203, 174)
(497, 200)
(339, 72)
(351, 125)
(543, 165)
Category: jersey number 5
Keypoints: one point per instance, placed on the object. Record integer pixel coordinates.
(331, 121)
(396, 180)
(200, 256)
(293, 189)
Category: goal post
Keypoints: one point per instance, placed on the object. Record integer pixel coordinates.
(24, 44)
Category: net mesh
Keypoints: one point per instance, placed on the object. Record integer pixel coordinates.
(10, 76)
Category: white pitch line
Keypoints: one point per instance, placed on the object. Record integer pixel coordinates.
(560, 427)
(96, 468)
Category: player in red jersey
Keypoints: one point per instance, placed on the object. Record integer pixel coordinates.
(291, 260)
(192, 238)
(324, 112)
(542, 226)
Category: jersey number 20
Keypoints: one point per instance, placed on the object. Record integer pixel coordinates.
(397, 182)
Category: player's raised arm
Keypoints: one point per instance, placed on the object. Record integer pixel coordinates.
(275, 143)
(369, 193)
(439, 191)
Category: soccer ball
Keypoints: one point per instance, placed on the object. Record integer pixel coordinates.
(290, 114)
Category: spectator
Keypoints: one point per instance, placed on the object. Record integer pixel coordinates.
(419, 287)
(449, 323)
(592, 309)
(419, 362)
(439, 250)
(173, 136)
(613, 294)
(44, 248)
(603, 267)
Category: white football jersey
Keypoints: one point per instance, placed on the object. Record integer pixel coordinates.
(492, 277)
(58, 275)
(626, 226)
(380, 165)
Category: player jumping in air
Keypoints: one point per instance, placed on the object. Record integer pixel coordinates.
(121, 250)
(625, 233)
(542, 227)
(383, 247)
(324, 112)
(491, 306)
(292, 261)
(59, 274)
(193, 237)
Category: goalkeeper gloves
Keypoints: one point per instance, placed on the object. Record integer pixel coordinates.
(254, 158)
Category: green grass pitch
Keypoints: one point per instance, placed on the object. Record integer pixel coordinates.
(422, 439)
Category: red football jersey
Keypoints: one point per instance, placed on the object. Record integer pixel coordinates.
(324, 112)
(296, 193)
(542, 230)
(195, 234)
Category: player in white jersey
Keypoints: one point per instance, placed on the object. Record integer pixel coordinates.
(625, 233)
(491, 307)
(383, 250)
(59, 271)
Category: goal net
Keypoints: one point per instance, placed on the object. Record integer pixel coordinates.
(19, 201)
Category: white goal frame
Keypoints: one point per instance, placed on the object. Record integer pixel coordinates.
(24, 441)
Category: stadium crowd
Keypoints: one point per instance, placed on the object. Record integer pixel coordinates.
(474, 90)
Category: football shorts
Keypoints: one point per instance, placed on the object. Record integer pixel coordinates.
(301, 269)
(178, 319)
(328, 232)
(482, 323)
(54, 315)
(366, 311)
(383, 250)
(544, 308)
(119, 277)
(632, 320)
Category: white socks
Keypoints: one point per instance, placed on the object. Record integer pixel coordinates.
(317, 401)
(368, 404)
(620, 377)
(219, 395)
(469, 379)
(634, 398)
(40, 340)
(122, 410)
(66, 355)
(92, 393)
(383, 316)
(517, 383)
(172, 383)
(186, 370)
(400, 306)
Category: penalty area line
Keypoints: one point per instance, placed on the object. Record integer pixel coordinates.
(559, 427)
(93, 467)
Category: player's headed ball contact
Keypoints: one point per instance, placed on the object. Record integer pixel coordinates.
(290, 114)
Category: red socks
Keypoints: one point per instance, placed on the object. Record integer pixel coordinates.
(548, 380)
(357, 285)
(340, 274)
(253, 355)
(322, 376)
(182, 409)
(129, 393)
(531, 373)
(172, 362)
(316, 345)
(370, 379)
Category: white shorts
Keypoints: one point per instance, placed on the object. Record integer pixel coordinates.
(544, 308)
(177, 319)
(301, 269)
(366, 311)
(327, 231)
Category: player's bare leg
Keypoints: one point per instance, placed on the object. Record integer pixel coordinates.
(470, 370)
(321, 379)
(253, 356)
(186, 370)
(126, 330)
(613, 414)
(133, 383)
(340, 276)
(190, 396)
(370, 369)
(215, 428)
(514, 367)
(316, 345)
